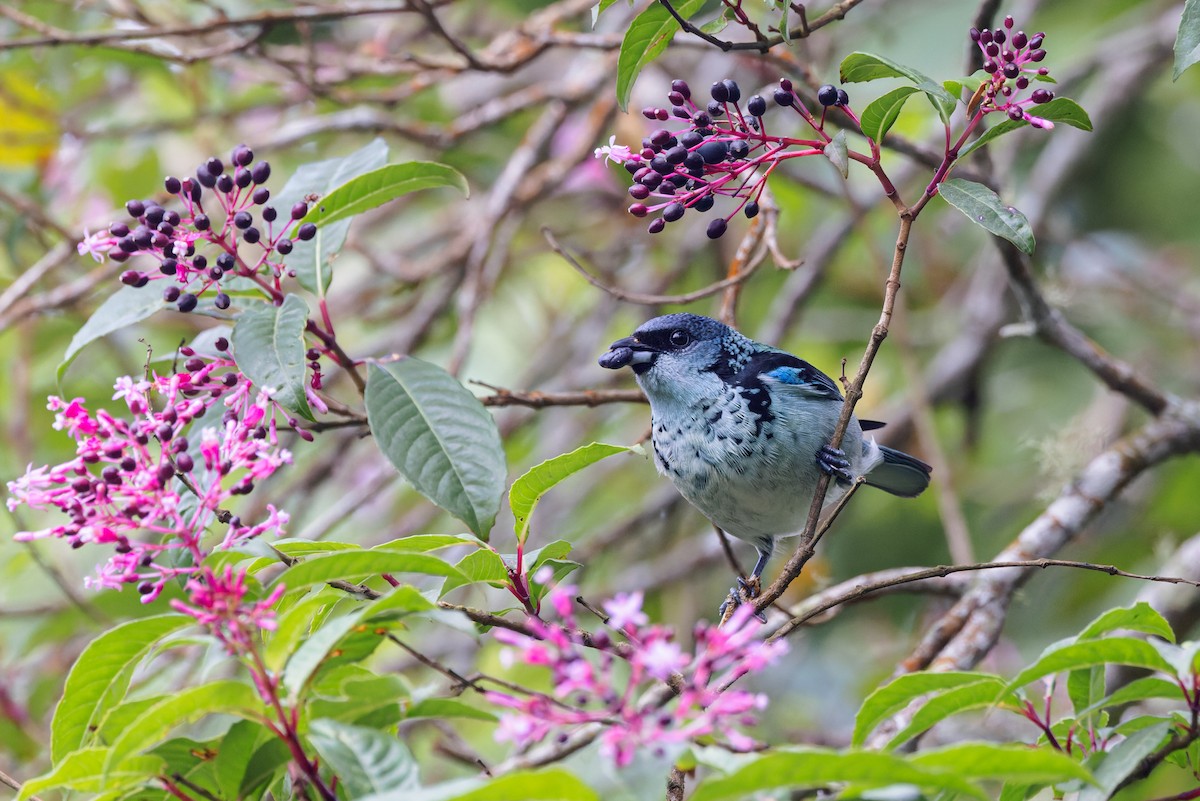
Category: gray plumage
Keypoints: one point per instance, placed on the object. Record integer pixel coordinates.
(742, 429)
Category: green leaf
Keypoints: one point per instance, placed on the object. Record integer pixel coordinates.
(481, 565)
(427, 542)
(898, 693)
(1113, 650)
(838, 154)
(1010, 762)
(291, 627)
(357, 565)
(977, 695)
(364, 760)
(812, 766)
(234, 752)
(555, 784)
(446, 708)
(1111, 767)
(1187, 39)
(1084, 688)
(647, 38)
(83, 770)
(126, 306)
(880, 115)
(861, 67)
(371, 189)
(527, 490)
(187, 706)
(268, 346)
(982, 206)
(100, 676)
(312, 260)
(956, 87)
(1060, 109)
(1138, 690)
(1140, 617)
(440, 437)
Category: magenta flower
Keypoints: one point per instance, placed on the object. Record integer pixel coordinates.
(217, 601)
(603, 684)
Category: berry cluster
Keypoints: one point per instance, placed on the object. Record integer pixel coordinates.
(1009, 59)
(171, 238)
(605, 689)
(722, 148)
(152, 483)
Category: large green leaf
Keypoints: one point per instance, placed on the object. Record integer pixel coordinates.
(859, 67)
(187, 706)
(1060, 109)
(898, 693)
(1187, 38)
(527, 490)
(122, 308)
(1113, 766)
(440, 437)
(364, 760)
(1008, 761)
(446, 708)
(805, 767)
(1140, 617)
(234, 753)
(880, 114)
(313, 260)
(100, 676)
(555, 784)
(977, 695)
(83, 770)
(268, 346)
(1088, 653)
(479, 566)
(983, 207)
(369, 190)
(357, 565)
(647, 38)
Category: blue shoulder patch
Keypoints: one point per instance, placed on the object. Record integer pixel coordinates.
(787, 375)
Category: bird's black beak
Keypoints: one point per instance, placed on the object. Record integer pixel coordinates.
(628, 351)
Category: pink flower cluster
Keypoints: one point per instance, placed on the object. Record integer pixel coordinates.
(154, 483)
(217, 601)
(1010, 59)
(603, 683)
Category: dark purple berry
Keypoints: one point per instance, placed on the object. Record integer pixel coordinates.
(301, 208)
(843, 99)
(992, 50)
(713, 152)
(242, 177)
(639, 191)
(656, 225)
(205, 178)
(261, 195)
(171, 293)
(757, 106)
(146, 587)
(136, 208)
(169, 267)
(827, 95)
(638, 210)
(261, 172)
(1036, 41)
(716, 228)
(242, 155)
(694, 162)
(739, 149)
(159, 240)
(187, 302)
(690, 139)
(667, 188)
(784, 98)
(118, 256)
(269, 214)
(1037, 55)
(201, 222)
(661, 166)
(675, 98)
(703, 204)
(252, 235)
(732, 89)
(1019, 39)
(172, 185)
(242, 220)
(142, 237)
(1016, 114)
(676, 155)
(682, 88)
(119, 229)
(222, 344)
(714, 110)
(222, 301)
(127, 244)
(284, 246)
(1008, 22)
(751, 209)
(1011, 71)
(306, 232)
(214, 166)
(130, 277)
(165, 227)
(974, 34)
(999, 36)
(719, 92)
(184, 463)
(631, 166)
(195, 192)
(225, 261)
(985, 36)
(990, 67)
(224, 183)
(216, 273)
(194, 364)
(1040, 96)
(673, 212)
(651, 180)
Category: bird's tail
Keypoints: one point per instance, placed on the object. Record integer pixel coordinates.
(899, 473)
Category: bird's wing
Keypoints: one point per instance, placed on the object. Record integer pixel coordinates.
(793, 374)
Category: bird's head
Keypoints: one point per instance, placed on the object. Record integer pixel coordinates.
(678, 350)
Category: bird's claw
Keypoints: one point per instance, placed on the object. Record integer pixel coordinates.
(745, 591)
(834, 462)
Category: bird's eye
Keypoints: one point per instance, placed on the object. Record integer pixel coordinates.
(680, 338)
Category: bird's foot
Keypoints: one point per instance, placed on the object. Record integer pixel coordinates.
(744, 592)
(834, 462)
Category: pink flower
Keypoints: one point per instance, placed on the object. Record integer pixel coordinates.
(613, 152)
(625, 610)
(661, 658)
